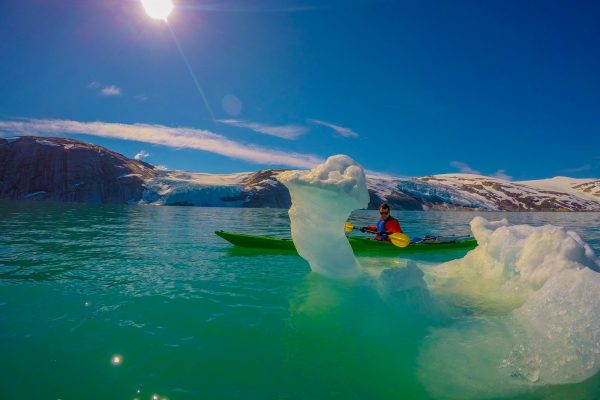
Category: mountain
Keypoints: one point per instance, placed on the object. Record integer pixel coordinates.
(57, 169)
(44, 168)
(468, 191)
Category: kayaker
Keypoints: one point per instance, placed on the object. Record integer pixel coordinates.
(386, 224)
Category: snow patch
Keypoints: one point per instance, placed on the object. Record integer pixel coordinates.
(198, 189)
(573, 186)
(48, 143)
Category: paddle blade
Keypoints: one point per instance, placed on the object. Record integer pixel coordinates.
(348, 227)
(399, 239)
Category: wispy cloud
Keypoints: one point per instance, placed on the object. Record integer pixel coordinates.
(290, 132)
(582, 168)
(141, 154)
(178, 137)
(141, 97)
(381, 175)
(464, 168)
(501, 174)
(343, 131)
(106, 91)
(110, 91)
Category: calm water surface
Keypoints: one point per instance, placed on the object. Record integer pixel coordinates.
(190, 318)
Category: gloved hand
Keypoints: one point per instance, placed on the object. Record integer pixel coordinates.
(364, 229)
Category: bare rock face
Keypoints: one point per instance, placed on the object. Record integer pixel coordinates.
(59, 169)
(266, 191)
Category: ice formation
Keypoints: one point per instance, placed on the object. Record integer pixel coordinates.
(535, 292)
(322, 200)
(510, 263)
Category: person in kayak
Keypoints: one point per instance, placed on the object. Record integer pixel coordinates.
(386, 224)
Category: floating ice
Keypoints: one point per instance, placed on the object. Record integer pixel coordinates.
(509, 263)
(322, 200)
(562, 330)
(536, 294)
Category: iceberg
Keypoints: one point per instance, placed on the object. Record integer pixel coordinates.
(322, 200)
(534, 293)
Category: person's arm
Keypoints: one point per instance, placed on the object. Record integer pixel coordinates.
(372, 228)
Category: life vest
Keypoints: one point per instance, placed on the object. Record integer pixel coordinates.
(389, 225)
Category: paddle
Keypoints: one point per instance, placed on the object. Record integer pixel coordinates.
(397, 239)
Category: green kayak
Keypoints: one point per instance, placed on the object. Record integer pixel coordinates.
(358, 244)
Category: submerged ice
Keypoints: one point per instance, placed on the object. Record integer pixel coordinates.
(510, 263)
(322, 200)
(535, 293)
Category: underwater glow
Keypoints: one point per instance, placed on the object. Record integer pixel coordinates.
(322, 200)
(158, 9)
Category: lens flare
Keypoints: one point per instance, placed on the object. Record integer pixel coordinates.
(116, 359)
(158, 9)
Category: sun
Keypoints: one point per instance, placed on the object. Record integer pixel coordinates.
(158, 9)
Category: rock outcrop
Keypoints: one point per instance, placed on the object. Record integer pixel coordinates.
(58, 169)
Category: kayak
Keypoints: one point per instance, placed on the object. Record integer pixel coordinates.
(358, 244)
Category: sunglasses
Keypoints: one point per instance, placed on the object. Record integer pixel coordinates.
(384, 212)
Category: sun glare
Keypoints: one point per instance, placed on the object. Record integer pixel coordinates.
(158, 9)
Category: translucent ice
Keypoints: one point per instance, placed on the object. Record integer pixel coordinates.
(535, 295)
(322, 200)
(510, 263)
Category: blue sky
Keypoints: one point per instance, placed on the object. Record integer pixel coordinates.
(404, 87)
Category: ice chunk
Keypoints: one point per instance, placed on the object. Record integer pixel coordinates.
(322, 200)
(562, 325)
(536, 295)
(509, 263)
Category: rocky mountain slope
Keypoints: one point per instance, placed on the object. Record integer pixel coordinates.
(36, 168)
(487, 193)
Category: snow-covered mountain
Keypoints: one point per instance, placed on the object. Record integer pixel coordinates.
(457, 191)
(36, 168)
(436, 192)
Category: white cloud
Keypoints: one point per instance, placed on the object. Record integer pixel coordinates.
(346, 132)
(501, 174)
(94, 85)
(464, 168)
(141, 154)
(109, 91)
(179, 137)
(381, 175)
(290, 132)
(141, 97)
(582, 168)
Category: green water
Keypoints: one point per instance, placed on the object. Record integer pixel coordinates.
(193, 319)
